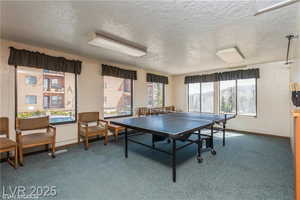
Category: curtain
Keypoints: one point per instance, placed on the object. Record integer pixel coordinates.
(223, 76)
(153, 78)
(22, 57)
(118, 72)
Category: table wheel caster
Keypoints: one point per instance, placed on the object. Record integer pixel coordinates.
(213, 152)
(200, 159)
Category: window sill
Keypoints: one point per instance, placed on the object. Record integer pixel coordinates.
(252, 116)
(63, 123)
(120, 116)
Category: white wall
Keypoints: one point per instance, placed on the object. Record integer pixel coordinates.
(272, 98)
(90, 88)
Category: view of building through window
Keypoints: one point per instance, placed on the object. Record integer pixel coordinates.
(155, 94)
(201, 97)
(117, 96)
(246, 96)
(194, 97)
(46, 93)
(228, 96)
(207, 97)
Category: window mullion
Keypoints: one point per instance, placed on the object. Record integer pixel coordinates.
(200, 95)
(236, 97)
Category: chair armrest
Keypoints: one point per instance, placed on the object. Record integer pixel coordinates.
(52, 127)
(52, 130)
(104, 121)
(83, 123)
(18, 131)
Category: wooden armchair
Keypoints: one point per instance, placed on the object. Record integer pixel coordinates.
(28, 140)
(86, 130)
(157, 110)
(143, 111)
(170, 109)
(7, 145)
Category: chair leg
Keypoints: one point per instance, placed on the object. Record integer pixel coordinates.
(20, 155)
(16, 157)
(86, 143)
(116, 135)
(105, 138)
(47, 147)
(53, 150)
(78, 137)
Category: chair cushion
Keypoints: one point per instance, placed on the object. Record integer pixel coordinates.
(6, 143)
(93, 129)
(36, 138)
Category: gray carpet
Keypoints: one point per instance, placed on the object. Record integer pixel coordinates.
(249, 167)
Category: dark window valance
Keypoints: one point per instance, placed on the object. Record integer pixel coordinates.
(153, 78)
(118, 72)
(239, 74)
(201, 78)
(223, 76)
(22, 57)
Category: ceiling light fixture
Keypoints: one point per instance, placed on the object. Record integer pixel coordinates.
(276, 6)
(116, 44)
(231, 55)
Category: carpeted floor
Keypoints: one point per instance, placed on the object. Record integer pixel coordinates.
(249, 167)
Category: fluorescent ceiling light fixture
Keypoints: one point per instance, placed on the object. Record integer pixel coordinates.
(231, 55)
(107, 42)
(276, 6)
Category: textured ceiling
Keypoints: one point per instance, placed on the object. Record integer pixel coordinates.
(181, 36)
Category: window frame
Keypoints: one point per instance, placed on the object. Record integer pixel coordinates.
(236, 99)
(200, 109)
(163, 91)
(56, 123)
(131, 98)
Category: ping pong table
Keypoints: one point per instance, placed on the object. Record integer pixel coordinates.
(175, 127)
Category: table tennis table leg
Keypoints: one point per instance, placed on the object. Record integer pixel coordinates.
(212, 140)
(153, 143)
(199, 145)
(126, 143)
(174, 159)
(224, 133)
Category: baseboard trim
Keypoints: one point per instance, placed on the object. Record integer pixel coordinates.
(257, 133)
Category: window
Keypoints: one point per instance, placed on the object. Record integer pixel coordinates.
(201, 97)
(117, 97)
(194, 97)
(228, 96)
(30, 80)
(238, 96)
(156, 96)
(59, 105)
(46, 84)
(31, 99)
(55, 84)
(246, 97)
(207, 97)
(57, 101)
